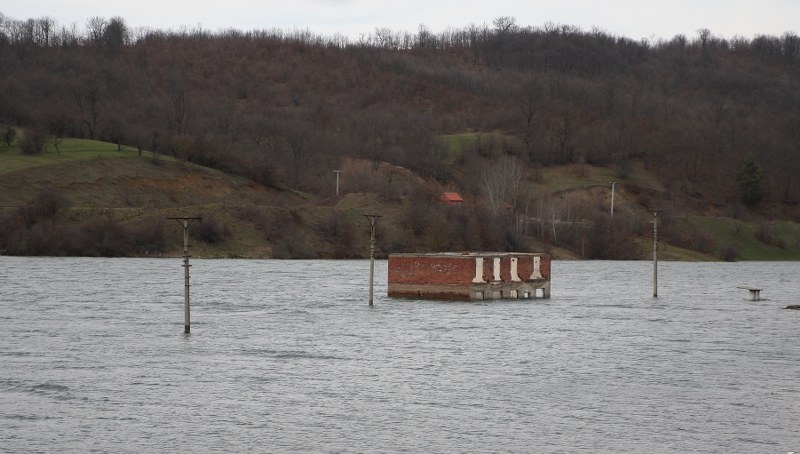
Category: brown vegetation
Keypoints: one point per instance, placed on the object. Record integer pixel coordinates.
(285, 109)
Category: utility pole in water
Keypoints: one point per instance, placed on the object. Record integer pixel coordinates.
(373, 220)
(186, 222)
(655, 252)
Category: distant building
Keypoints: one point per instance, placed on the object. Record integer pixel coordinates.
(452, 198)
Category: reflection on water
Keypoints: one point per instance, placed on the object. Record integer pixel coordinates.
(286, 356)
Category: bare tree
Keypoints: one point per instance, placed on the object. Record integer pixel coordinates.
(385, 38)
(87, 96)
(8, 135)
(504, 184)
(68, 36)
(505, 24)
(45, 26)
(94, 29)
(564, 134)
(528, 103)
(115, 33)
(179, 110)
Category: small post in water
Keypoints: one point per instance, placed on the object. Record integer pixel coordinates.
(186, 222)
(373, 220)
(655, 252)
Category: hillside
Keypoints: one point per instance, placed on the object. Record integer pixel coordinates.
(93, 199)
(529, 124)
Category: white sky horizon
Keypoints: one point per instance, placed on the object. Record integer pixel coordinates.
(634, 19)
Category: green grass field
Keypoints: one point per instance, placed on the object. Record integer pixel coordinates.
(455, 144)
(71, 150)
(783, 237)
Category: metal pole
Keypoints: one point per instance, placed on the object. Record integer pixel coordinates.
(373, 220)
(613, 184)
(337, 172)
(655, 253)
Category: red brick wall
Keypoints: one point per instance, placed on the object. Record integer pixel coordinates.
(545, 267)
(488, 269)
(456, 270)
(505, 269)
(431, 270)
(525, 267)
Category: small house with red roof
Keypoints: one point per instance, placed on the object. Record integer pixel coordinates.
(452, 198)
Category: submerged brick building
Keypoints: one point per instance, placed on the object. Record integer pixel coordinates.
(469, 275)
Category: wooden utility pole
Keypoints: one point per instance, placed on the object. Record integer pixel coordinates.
(186, 222)
(373, 220)
(655, 252)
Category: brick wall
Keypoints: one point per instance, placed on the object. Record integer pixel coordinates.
(525, 267)
(431, 270)
(456, 270)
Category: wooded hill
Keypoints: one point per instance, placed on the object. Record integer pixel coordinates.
(701, 125)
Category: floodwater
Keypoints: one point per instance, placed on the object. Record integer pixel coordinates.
(286, 356)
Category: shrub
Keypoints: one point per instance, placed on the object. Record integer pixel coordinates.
(33, 142)
(9, 135)
(764, 233)
(291, 248)
(46, 205)
(148, 237)
(104, 237)
(208, 230)
(729, 253)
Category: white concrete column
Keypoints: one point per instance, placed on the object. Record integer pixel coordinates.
(496, 268)
(514, 271)
(537, 271)
(478, 279)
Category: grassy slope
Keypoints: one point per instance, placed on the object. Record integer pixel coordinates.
(455, 144)
(133, 188)
(71, 150)
(98, 180)
(783, 245)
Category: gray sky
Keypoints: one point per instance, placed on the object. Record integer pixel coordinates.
(635, 19)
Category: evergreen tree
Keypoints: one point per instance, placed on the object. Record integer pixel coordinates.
(749, 179)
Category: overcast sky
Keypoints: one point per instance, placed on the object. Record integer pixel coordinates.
(631, 18)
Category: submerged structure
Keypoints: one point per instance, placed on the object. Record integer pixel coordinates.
(470, 275)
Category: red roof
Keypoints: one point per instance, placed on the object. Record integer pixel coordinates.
(452, 198)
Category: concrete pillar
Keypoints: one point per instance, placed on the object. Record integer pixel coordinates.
(478, 279)
(537, 269)
(496, 270)
(514, 271)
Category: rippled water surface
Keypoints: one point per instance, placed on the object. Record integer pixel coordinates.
(286, 356)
